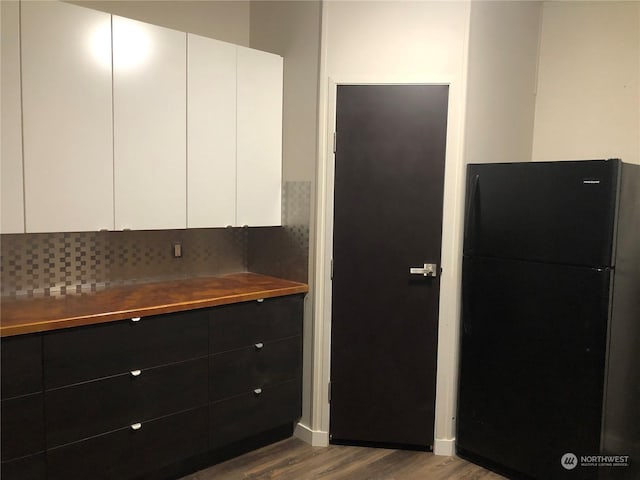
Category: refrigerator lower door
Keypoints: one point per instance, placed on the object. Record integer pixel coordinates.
(532, 363)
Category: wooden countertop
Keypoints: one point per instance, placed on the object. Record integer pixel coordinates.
(30, 315)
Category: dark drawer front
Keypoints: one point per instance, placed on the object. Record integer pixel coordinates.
(126, 454)
(240, 417)
(96, 351)
(22, 426)
(241, 371)
(244, 324)
(21, 364)
(26, 468)
(92, 408)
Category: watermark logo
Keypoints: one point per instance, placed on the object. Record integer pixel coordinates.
(604, 460)
(569, 461)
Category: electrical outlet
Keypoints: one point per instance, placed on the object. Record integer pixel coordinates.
(177, 249)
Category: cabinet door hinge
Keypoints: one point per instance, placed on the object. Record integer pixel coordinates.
(329, 394)
(334, 143)
(332, 269)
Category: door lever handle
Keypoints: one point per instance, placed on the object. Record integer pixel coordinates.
(427, 270)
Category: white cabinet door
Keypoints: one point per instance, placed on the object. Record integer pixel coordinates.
(67, 123)
(259, 123)
(211, 133)
(149, 104)
(11, 189)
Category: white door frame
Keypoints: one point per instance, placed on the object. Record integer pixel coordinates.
(449, 312)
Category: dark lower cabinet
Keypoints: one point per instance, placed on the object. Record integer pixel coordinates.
(22, 409)
(91, 408)
(255, 368)
(240, 371)
(243, 324)
(153, 398)
(96, 351)
(237, 418)
(21, 365)
(22, 432)
(129, 453)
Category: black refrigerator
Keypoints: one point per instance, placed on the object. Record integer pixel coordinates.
(549, 373)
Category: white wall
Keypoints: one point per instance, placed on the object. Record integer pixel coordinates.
(12, 201)
(503, 57)
(588, 103)
(226, 20)
(292, 29)
(394, 42)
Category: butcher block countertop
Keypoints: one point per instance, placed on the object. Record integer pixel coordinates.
(40, 314)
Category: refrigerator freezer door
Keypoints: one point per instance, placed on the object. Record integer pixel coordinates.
(533, 347)
(558, 212)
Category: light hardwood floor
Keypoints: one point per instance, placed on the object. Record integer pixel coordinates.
(293, 459)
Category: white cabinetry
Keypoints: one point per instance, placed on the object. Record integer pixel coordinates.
(149, 105)
(12, 200)
(211, 133)
(234, 135)
(125, 126)
(67, 119)
(259, 123)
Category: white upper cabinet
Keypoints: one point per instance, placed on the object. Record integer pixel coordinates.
(211, 133)
(111, 123)
(259, 123)
(149, 105)
(67, 119)
(12, 200)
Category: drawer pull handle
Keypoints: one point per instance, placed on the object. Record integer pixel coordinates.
(136, 373)
(259, 346)
(135, 319)
(260, 300)
(257, 391)
(136, 426)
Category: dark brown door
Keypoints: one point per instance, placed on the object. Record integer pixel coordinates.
(389, 183)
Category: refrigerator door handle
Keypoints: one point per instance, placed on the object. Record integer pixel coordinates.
(471, 204)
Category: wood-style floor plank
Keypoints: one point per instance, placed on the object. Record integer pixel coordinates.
(293, 459)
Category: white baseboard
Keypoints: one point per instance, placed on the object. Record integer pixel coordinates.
(445, 447)
(315, 438)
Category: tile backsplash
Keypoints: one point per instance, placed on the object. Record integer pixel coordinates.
(62, 263)
(284, 252)
(67, 263)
